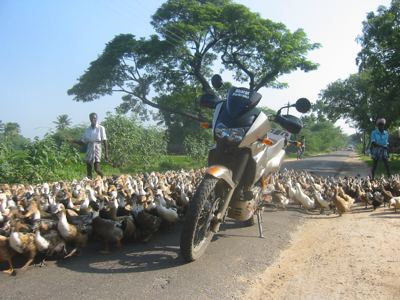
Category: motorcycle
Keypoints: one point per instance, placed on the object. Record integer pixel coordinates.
(246, 151)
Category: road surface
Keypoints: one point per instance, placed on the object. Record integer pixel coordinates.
(155, 271)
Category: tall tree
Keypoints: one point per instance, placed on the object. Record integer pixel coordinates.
(375, 90)
(62, 122)
(380, 56)
(350, 99)
(191, 37)
(12, 129)
(354, 99)
(11, 133)
(322, 135)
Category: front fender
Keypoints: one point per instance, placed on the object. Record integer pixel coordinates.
(221, 172)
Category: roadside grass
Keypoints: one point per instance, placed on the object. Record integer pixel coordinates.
(394, 164)
(162, 164)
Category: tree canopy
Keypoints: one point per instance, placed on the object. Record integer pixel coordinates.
(63, 121)
(191, 38)
(374, 91)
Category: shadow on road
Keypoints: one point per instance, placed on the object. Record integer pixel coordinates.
(386, 215)
(161, 252)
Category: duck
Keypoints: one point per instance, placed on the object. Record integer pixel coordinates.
(350, 200)
(24, 243)
(108, 231)
(279, 198)
(168, 215)
(291, 191)
(377, 199)
(395, 202)
(362, 196)
(321, 201)
(387, 195)
(147, 223)
(340, 203)
(57, 245)
(302, 198)
(71, 233)
(126, 221)
(7, 253)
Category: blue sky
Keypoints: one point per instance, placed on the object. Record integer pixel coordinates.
(46, 45)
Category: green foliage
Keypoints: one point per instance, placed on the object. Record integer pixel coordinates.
(197, 147)
(63, 122)
(131, 144)
(39, 161)
(321, 135)
(12, 163)
(176, 63)
(70, 135)
(11, 133)
(177, 126)
(374, 91)
(394, 164)
(352, 99)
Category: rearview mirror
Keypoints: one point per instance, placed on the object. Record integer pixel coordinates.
(290, 123)
(303, 105)
(216, 81)
(209, 100)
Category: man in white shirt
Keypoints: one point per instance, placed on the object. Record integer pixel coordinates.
(94, 137)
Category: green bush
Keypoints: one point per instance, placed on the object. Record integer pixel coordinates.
(131, 144)
(41, 160)
(197, 147)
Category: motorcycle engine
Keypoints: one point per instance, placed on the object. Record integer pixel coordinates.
(242, 210)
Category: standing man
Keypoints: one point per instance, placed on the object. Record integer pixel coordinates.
(94, 137)
(379, 146)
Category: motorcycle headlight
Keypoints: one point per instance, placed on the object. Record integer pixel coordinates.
(233, 135)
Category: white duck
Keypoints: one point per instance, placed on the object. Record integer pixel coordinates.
(301, 197)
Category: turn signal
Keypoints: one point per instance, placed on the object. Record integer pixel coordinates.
(267, 142)
(205, 125)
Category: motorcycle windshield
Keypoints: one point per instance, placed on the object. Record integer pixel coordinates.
(238, 101)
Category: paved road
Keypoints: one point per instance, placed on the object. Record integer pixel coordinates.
(155, 270)
(340, 162)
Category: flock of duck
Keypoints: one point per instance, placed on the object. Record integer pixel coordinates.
(58, 219)
(337, 194)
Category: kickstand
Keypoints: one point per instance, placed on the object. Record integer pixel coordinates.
(260, 221)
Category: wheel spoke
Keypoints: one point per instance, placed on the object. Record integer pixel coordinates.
(204, 222)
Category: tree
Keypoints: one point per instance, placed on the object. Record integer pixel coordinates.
(2, 126)
(321, 134)
(380, 57)
(10, 132)
(374, 91)
(191, 36)
(12, 129)
(63, 121)
(353, 99)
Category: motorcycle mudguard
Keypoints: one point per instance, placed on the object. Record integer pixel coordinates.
(275, 163)
(221, 172)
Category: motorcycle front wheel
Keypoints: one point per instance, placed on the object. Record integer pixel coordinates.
(196, 233)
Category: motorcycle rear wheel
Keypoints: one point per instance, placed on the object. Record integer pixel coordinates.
(196, 233)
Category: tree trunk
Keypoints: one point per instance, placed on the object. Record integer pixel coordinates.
(364, 142)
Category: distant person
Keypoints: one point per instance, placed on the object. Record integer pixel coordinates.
(301, 147)
(94, 136)
(380, 146)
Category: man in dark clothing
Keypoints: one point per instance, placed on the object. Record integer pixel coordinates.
(380, 146)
